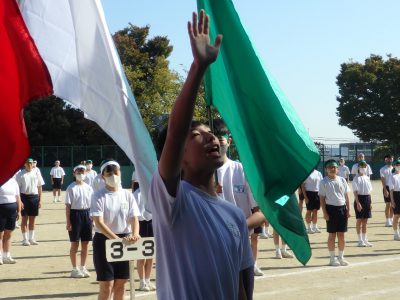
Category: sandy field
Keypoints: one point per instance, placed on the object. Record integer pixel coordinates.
(42, 271)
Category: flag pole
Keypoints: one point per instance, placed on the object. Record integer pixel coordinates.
(211, 124)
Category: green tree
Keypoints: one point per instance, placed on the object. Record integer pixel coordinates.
(369, 99)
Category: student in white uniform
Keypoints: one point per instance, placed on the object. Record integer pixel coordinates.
(343, 170)
(10, 211)
(90, 174)
(78, 196)
(144, 266)
(57, 179)
(135, 182)
(394, 186)
(30, 186)
(115, 215)
(203, 249)
(235, 188)
(36, 168)
(354, 168)
(310, 189)
(362, 189)
(333, 192)
(386, 173)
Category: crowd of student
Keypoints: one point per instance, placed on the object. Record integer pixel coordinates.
(331, 194)
(201, 229)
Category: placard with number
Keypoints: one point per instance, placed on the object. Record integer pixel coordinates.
(120, 250)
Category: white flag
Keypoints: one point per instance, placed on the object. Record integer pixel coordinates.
(73, 39)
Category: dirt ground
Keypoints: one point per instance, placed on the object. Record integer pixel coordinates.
(42, 271)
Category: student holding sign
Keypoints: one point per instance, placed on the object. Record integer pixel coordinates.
(115, 215)
(203, 250)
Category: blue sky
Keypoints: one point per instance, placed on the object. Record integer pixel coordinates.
(302, 43)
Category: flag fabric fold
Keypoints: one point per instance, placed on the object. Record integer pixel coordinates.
(23, 78)
(275, 149)
(74, 40)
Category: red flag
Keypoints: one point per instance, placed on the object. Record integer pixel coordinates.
(23, 78)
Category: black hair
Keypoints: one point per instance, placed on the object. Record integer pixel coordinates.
(109, 168)
(388, 156)
(162, 136)
(220, 128)
(329, 161)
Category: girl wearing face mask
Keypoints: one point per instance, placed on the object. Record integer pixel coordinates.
(394, 186)
(362, 189)
(79, 224)
(115, 215)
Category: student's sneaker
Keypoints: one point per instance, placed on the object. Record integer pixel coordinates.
(396, 237)
(310, 231)
(33, 242)
(258, 272)
(334, 262)
(151, 286)
(143, 287)
(368, 244)
(25, 243)
(278, 254)
(9, 260)
(316, 230)
(287, 254)
(343, 262)
(85, 272)
(361, 244)
(76, 273)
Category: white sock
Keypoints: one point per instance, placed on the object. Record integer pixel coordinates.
(341, 254)
(142, 280)
(6, 254)
(266, 229)
(284, 248)
(147, 280)
(309, 226)
(396, 231)
(25, 236)
(332, 254)
(31, 235)
(277, 248)
(360, 239)
(364, 237)
(314, 226)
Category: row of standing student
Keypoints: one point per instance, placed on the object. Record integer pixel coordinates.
(331, 193)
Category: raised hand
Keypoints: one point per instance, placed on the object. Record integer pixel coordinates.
(203, 52)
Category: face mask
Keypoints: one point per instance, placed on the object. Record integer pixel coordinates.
(88, 167)
(397, 168)
(341, 163)
(80, 177)
(362, 170)
(113, 181)
(223, 149)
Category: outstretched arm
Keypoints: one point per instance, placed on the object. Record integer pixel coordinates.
(182, 112)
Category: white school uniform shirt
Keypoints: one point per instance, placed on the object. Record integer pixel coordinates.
(202, 243)
(90, 176)
(334, 190)
(145, 215)
(57, 172)
(386, 173)
(29, 182)
(234, 186)
(79, 196)
(9, 191)
(312, 182)
(394, 182)
(354, 170)
(362, 185)
(98, 183)
(116, 209)
(343, 171)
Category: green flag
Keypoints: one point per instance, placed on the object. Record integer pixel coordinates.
(276, 151)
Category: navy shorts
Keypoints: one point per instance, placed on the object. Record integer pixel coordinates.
(81, 226)
(337, 218)
(57, 183)
(313, 201)
(107, 271)
(146, 228)
(386, 199)
(365, 201)
(8, 216)
(396, 198)
(31, 205)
